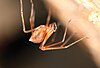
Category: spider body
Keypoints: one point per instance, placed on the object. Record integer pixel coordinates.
(40, 32)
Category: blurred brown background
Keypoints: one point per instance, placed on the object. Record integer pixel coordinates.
(17, 52)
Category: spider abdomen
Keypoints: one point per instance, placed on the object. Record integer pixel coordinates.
(38, 34)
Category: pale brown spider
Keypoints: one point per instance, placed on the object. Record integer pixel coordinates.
(43, 32)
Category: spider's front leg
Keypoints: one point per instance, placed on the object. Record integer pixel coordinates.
(32, 17)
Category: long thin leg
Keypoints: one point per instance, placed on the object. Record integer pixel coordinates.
(54, 36)
(48, 18)
(66, 30)
(64, 36)
(23, 22)
(74, 42)
(47, 36)
(61, 42)
(42, 47)
(53, 39)
(45, 39)
(63, 47)
(32, 16)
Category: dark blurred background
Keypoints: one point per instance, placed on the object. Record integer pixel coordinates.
(17, 52)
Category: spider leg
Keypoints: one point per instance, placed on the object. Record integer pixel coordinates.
(49, 47)
(22, 16)
(53, 39)
(32, 16)
(63, 39)
(48, 18)
(62, 42)
(54, 36)
(45, 39)
(73, 42)
(42, 47)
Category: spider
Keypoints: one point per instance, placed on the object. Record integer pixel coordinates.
(42, 33)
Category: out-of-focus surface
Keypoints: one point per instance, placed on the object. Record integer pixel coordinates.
(93, 11)
(9, 21)
(18, 52)
(79, 24)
